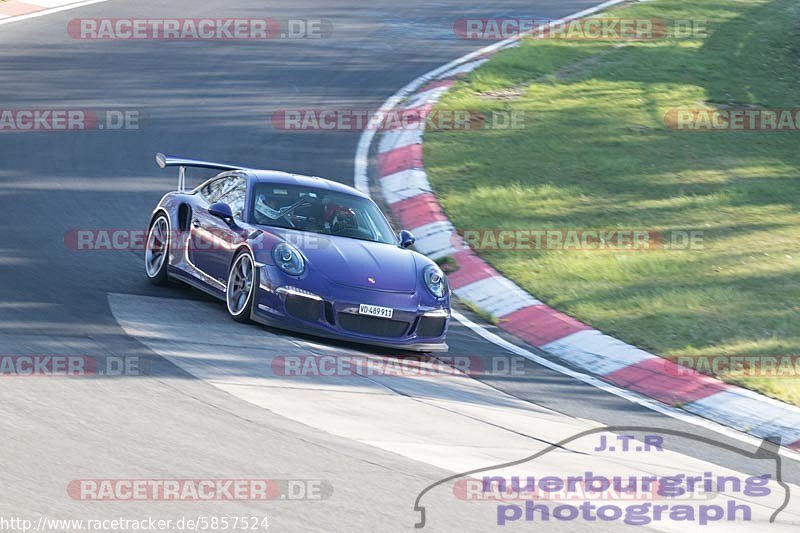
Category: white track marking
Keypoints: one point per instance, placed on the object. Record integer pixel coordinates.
(496, 295)
(49, 11)
(400, 137)
(436, 239)
(597, 352)
(404, 185)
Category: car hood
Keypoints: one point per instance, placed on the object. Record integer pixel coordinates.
(357, 263)
(364, 264)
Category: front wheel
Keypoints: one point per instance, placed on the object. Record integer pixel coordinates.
(156, 252)
(241, 288)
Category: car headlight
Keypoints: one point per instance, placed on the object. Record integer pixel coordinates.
(289, 259)
(435, 281)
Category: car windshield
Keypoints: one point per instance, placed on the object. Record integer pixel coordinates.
(320, 211)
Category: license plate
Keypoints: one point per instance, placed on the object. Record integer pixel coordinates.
(374, 310)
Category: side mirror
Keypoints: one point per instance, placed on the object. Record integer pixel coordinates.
(221, 210)
(407, 239)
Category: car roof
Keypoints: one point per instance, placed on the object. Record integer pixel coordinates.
(285, 178)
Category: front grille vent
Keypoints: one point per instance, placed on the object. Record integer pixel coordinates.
(370, 325)
(303, 308)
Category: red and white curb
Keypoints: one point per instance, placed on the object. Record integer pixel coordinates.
(403, 182)
(15, 10)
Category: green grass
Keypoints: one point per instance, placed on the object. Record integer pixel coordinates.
(595, 153)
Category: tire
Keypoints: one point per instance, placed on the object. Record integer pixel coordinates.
(156, 251)
(240, 291)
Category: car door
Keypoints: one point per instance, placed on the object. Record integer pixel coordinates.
(212, 240)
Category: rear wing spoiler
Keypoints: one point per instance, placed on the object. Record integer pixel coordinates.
(165, 161)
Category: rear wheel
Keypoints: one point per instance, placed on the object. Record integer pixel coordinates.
(241, 288)
(156, 252)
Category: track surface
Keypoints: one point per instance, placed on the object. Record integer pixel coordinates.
(209, 100)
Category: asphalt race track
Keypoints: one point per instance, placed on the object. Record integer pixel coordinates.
(204, 403)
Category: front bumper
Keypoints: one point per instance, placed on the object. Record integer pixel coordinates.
(413, 326)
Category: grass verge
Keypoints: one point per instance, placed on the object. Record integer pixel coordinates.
(595, 153)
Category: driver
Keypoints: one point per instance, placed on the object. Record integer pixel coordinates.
(342, 219)
(268, 206)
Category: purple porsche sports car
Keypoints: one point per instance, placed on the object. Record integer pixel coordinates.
(300, 253)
